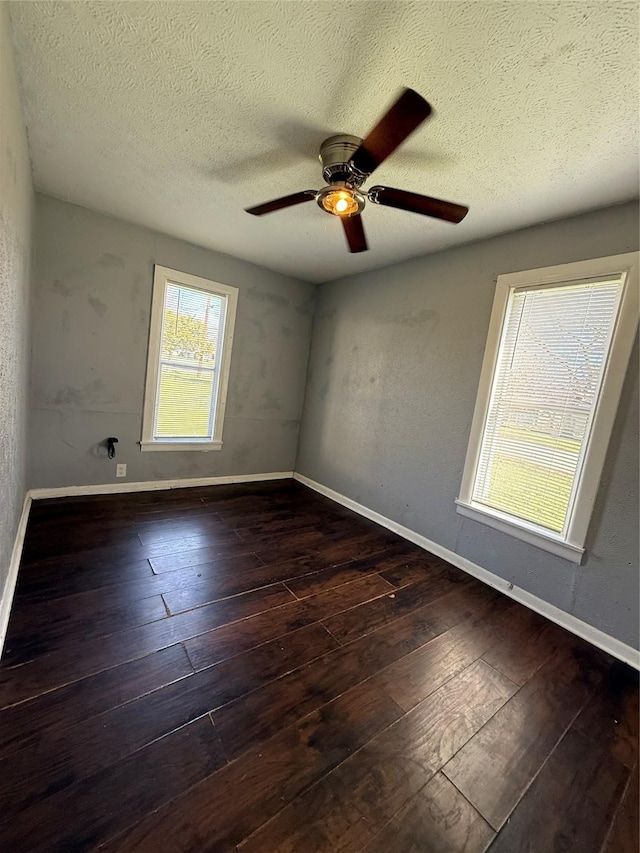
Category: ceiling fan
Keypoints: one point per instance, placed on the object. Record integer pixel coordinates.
(348, 161)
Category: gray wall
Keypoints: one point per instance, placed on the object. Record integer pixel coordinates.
(92, 298)
(16, 200)
(392, 382)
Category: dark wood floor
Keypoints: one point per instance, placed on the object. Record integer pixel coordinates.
(256, 668)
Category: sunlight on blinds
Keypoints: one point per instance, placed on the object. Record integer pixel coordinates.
(192, 326)
(553, 351)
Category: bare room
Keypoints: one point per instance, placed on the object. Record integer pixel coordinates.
(319, 429)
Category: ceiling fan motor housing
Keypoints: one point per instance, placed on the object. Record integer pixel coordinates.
(335, 155)
(348, 161)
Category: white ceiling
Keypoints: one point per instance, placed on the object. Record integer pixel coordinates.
(176, 116)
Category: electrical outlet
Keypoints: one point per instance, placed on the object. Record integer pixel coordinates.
(121, 470)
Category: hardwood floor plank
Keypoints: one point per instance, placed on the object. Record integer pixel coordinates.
(124, 551)
(219, 812)
(351, 594)
(39, 550)
(415, 629)
(356, 546)
(624, 835)
(287, 523)
(237, 607)
(60, 627)
(155, 516)
(55, 670)
(526, 644)
(197, 556)
(78, 574)
(513, 746)
(345, 809)
(218, 539)
(107, 803)
(51, 761)
(224, 642)
(247, 672)
(245, 503)
(112, 592)
(78, 613)
(48, 514)
(221, 584)
(350, 625)
(258, 716)
(254, 718)
(466, 601)
(128, 504)
(236, 509)
(242, 514)
(81, 700)
(208, 648)
(44, 540)
(156, 533)
(612, 716)
(56, 759)
(270, 549)
(414, 677)
(570, 804)
(278, 489)
(439, 820)
(417, 569)
(314, 542)
(278, 510)
(334, 576)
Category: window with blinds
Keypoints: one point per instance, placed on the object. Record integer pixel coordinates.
(556, 356)
(188, 361)
(553, 351)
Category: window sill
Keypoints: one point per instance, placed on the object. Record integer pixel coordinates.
(181, 445)
(534, 536)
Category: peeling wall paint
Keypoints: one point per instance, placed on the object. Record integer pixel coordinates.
(16, 201)
(392, 382)
(91, 308)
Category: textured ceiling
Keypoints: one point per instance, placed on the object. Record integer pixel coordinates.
(176, 116)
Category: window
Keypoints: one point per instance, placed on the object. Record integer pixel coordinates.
(192, 322)
(558, 348)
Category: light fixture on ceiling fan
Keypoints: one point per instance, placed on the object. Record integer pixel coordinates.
(348, 161)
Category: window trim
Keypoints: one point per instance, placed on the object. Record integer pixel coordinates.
(570, 547)
(162, 276)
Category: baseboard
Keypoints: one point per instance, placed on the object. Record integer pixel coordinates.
(582, 629)
(12, 577)
(155, 485)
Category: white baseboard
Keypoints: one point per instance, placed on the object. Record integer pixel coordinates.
(582, 629)
(12, 577)
(155, 485)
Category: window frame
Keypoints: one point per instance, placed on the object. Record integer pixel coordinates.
(162, 277)
(571, 545)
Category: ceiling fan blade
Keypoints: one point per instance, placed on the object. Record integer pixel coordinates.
(415, 203)
(409, 111)
(354, 232)
(280, 203)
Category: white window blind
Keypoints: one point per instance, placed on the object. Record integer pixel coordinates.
(192, 330)
(551, 360)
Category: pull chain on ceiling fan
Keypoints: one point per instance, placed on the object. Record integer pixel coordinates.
(348, 161)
